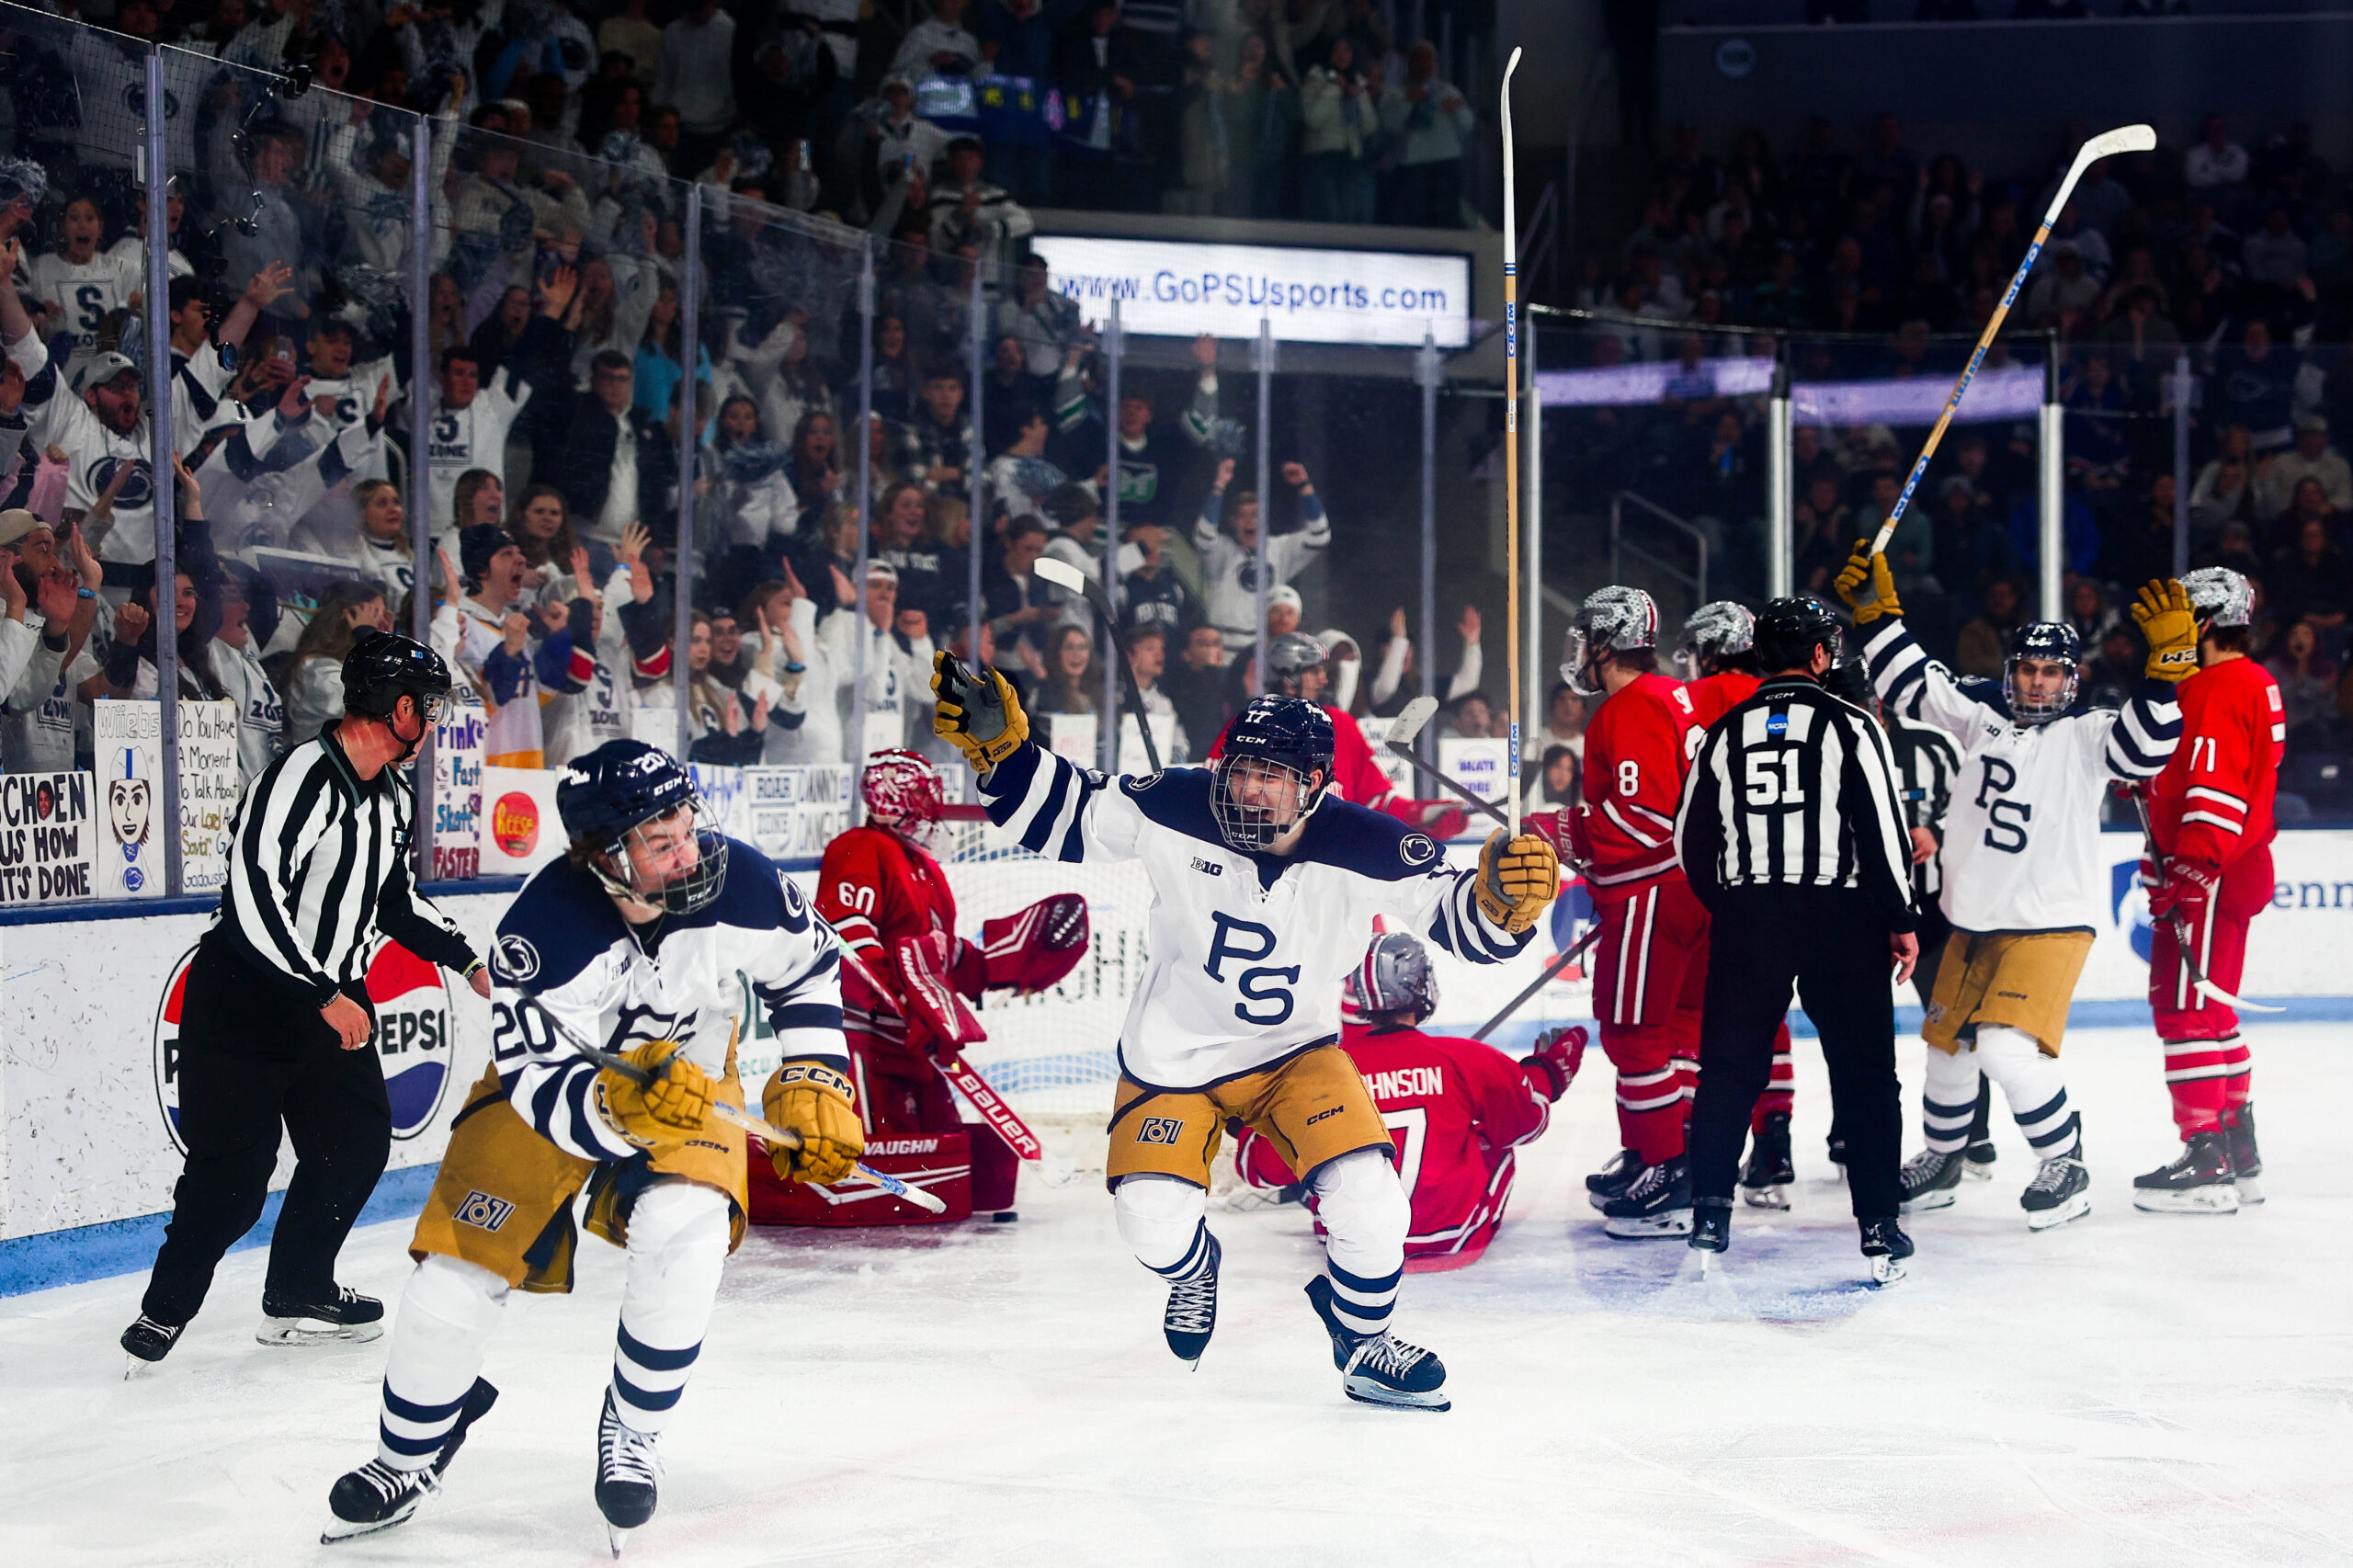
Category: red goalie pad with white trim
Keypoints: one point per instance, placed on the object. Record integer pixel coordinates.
(937, 1017)
(1034, 947)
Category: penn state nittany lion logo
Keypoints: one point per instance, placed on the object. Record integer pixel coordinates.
(513, 959)
(138, 486)
(1416, 850)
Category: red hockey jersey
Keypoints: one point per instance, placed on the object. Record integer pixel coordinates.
(2212, 802)
(1714, 695)
(878, 891)
(1636, 752)
(1455, 1109)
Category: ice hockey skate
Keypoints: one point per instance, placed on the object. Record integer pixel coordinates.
(2246, 1161)
(1929, 1178)
(1380, 1368)
(1769, 1173)
(1658, 1204)
(1192, 1316)
(1612, 1180)
(376, 1497)
(2061, 1191)
(148, 1342)
(1710, 1227)
(1887, 1247)
(629, 1471)
(348, 1316)
(1977, 1161)
(2199, 1182)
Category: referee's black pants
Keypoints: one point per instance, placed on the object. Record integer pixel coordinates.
(254, 1058)
(1831, 944)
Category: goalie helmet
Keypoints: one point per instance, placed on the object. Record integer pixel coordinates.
(1611, 620)
(2055, 642)
(902, 792)
(1284, 736)
(611, 801)
(2219, 597)
(1393, 977)
(1719, 633)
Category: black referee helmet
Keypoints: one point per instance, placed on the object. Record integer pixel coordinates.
(384, 666)
(1788, 631)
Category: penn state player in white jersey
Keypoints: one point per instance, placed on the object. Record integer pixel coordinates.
(648, 937)
(2025, 887)
(1264, 889)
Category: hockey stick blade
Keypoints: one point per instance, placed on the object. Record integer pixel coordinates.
(1070, 580)
(1405, 729)
(1551, 972)
(780, 1137)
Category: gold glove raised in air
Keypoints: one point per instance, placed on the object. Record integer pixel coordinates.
(1868, 565)
(1517, 879)
(977, 714)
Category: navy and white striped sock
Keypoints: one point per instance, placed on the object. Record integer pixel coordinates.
(408, 1435)
(2052, 1129)
(1948, 1099)
(1194, 1264)
(648, 1382)
(1362, 1303)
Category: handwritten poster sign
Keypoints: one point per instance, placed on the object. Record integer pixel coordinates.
(46, 842)
(210, 786)
(457, 793)
(129, 742)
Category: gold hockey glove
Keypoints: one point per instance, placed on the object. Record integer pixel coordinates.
(658, 1112)
(817, 1102)
(1867, 565)
(977, 714)
(2170, 626)
(1516, 878)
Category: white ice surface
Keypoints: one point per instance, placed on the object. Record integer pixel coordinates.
(2131, 1389)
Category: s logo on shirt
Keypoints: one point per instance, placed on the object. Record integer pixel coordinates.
(1256, 984)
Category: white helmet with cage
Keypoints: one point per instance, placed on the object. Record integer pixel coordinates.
(2219, 597)
(1616, 619)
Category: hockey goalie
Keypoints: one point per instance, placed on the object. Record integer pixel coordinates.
(910, 990)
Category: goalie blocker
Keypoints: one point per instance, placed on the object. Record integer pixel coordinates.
(909, 990)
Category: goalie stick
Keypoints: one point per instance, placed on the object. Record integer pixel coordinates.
(1070, 579)
(779, 1136)
(2198, 981)
(967, 1082)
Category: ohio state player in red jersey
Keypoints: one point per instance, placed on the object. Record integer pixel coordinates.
(1458, 1108)
(2209, 812)
(1717, 662)
(887, 898)
(1651, 961)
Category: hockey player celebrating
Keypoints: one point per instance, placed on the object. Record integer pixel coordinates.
(1458, 1108)
(2023, 888)
(643, 939)
(906, 1000)
(1717, 659)
(1263, 893)
(2209, 873)
(1651, 961)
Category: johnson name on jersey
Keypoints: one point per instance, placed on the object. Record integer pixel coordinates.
(2021, 842)
(1248, 951)
(565, 942)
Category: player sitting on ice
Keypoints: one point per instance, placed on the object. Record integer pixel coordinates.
(1263, 893)
(642, 940)
(2025, 886)
(1716, 660)
(1457, 1108)
(907, 999)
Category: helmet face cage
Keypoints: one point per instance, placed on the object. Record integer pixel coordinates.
(1252, 828)
(2044, 640)
(681, 891)
(2219, 597)
(1393, 977)
(902, 792)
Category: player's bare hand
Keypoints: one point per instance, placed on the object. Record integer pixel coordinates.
(1924, 846)
(1903, 950)
(272, 283)
(479, 981)
(131, 622)
(350, 1021)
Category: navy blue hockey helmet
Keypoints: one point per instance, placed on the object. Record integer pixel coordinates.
(618, 801)
(1276, 743)
(2056, 641)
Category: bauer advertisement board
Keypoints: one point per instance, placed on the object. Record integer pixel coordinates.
(87, 1010)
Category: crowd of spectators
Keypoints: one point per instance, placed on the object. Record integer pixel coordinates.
(560, 392)
(2236, 259)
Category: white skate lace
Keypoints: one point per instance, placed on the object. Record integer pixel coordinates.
(1191, 1305)
(1386, 1354)
(1925, 1166)
(1652, 1180)
(2052, 1175)
(389, 1483)
(626, 1454)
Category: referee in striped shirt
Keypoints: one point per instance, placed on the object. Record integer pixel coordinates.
(1792, 834)
(275, 1020)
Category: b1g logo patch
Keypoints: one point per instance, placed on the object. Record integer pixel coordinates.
(1160, 1130)
(413, 1040)
(483, 1211)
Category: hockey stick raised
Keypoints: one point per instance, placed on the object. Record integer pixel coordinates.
(1070, 579)
(1540, 982)
(2108, 143)
(779, 1136)
(1511, 448)
(1408, 724)
(969, 1083)
(2198, 981)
